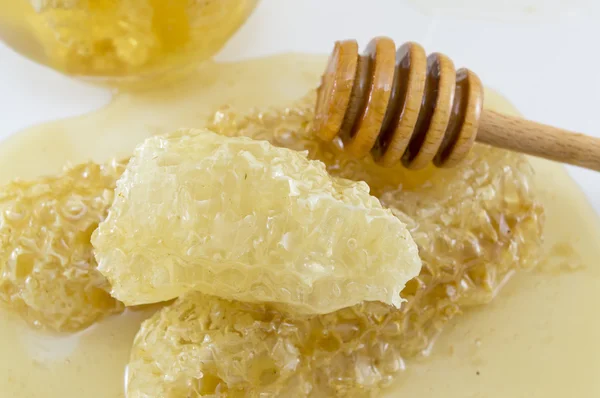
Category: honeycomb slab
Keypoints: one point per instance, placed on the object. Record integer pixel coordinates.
(245, 220)
(47, 269)
(475, 225)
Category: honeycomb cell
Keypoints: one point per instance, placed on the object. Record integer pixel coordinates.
(245, 220)
(206, 346)
(475, 225)
(47, 269)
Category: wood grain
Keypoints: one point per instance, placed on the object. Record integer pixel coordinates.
(538, 139)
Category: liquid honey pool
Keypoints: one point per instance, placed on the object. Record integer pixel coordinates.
(537, 339)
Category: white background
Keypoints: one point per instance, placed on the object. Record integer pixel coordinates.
(541, 54)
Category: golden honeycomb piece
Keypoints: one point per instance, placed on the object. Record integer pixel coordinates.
(47, 268)
(245, 220)
(475, 225)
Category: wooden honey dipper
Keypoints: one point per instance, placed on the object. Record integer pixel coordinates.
(401, 105)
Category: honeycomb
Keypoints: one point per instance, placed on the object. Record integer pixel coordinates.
(475, 225)
(47, 269)
(128, 38)
(245, 220)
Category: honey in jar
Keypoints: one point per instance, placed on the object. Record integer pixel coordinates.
(120, 41)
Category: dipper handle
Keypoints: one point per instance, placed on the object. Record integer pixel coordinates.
(401, 105)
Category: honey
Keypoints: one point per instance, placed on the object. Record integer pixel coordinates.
(122, 41)
(48, 272)
(533, 321)
(476, 225)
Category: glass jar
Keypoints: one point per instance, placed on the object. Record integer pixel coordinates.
(120, 41)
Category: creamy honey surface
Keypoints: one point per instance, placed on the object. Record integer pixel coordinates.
(536, 339)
